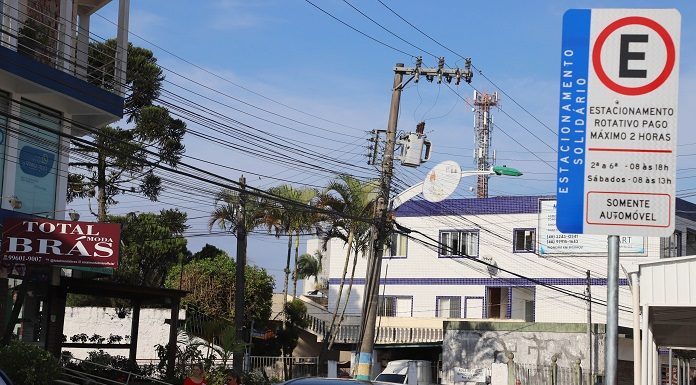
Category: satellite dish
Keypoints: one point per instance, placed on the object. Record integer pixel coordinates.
(441, 181)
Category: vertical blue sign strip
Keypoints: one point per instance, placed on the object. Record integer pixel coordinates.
(570, 184)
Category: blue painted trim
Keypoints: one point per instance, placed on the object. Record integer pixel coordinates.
(365, 358)
(498, 282)
(472, 206)
(508, 310)
(26, 67)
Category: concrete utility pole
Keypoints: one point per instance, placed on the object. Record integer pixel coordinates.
(238, 356)
(379, 232)
(611, 357)
(381, 227)
(589, 329)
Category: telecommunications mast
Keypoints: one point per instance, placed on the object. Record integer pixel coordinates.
(483, 125)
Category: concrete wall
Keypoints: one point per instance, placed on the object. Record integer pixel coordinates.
(480, 344)
(104, 321)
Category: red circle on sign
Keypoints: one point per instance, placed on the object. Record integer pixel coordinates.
(601, 39)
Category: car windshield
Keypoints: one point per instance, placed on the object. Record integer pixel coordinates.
(386, 377)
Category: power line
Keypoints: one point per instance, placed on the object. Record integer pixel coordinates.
(359, 31)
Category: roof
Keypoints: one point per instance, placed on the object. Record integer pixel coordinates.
(472, 206)
(667, 287)
(686, 209)
(500, 205)
(118, 290)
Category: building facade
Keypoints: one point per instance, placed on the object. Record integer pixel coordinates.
(495, 259)
(50, 94)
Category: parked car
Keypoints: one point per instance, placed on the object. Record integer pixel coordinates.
(328, 381)
(4, 380)
(403, 371)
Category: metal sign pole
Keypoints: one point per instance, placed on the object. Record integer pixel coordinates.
(612, 340)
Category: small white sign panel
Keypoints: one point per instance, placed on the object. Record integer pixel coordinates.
(469, 375)
(618, 122)
(552, 242)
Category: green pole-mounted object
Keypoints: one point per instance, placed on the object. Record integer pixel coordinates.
(507, 171)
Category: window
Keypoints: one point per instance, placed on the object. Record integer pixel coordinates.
(497, 302)
(38, 155)
(386, 306)
(528, 311)
(690, 242)
(523, 240)
(449, 307)
(396, 247)
(395, 306)
(672, 245)
(459, 243)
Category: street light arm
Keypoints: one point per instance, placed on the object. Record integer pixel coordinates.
(477, 172)
(406, 195)
(417, 188)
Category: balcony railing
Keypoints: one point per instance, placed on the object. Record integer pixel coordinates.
(40, 32)
(384, 334)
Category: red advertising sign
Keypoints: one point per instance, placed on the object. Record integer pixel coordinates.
(51, 242)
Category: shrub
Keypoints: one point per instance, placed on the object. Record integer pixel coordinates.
(43, 369)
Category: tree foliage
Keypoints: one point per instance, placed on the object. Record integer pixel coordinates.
(120, 159)
(309, 265)
(211, 287)
(207, 252)
(152, 245)
(291, 218)
(28, 364)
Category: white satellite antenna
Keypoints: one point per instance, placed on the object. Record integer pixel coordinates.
(441, 181)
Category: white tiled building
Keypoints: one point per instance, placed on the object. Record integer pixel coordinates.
(538, 269)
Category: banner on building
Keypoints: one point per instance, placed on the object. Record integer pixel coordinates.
(61, 243)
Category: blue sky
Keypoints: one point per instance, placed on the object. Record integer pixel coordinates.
(327, 85)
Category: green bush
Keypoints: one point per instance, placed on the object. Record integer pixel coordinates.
(28, 364)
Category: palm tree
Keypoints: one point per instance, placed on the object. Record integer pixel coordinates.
(309, 265)
(290, 218)
(238, 213)
(352, 199)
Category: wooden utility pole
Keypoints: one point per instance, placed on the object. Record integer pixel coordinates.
(238, 356)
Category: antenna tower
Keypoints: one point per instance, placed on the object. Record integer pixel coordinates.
(483, 125)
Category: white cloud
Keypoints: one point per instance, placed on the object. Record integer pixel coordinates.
(236, 15)
(144, 23)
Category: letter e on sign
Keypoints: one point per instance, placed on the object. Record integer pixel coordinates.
(647, 56)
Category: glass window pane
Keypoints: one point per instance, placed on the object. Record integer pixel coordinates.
(449, 307)
(690, 242)
(37, 170)
(529, 240)
(455, 247)
(455, 307)
(444, 243)
(403, 306)
(403, 242)
(473, 244)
